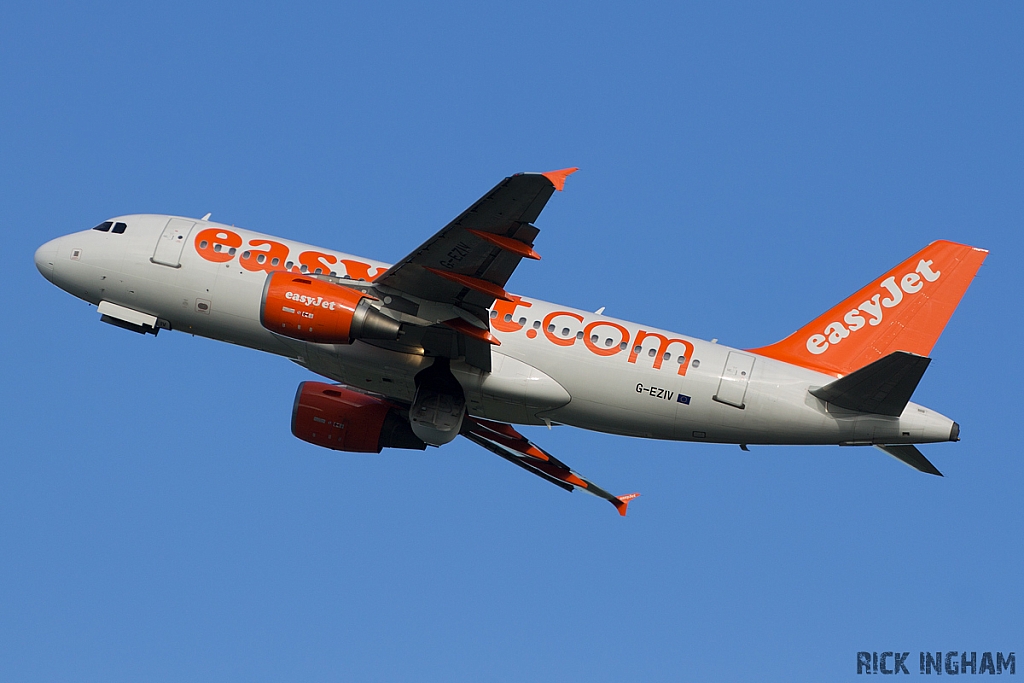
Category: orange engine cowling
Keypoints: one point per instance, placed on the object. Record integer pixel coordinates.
(303, 307)
(345, 420)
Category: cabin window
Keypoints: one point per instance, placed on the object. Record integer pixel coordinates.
(274, 261)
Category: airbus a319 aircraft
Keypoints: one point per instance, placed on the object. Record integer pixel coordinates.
(433, 346)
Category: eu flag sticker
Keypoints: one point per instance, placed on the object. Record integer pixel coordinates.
(683, 398)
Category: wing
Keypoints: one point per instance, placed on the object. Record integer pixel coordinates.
(464, 267)
(469, 260)
(503, 440)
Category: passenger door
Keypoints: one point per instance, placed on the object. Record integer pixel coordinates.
(171, 242)
(733, 386)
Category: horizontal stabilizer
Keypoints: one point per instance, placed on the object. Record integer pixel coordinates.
(883, 387)
(911, 456)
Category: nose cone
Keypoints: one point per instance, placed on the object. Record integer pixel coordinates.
(46, 256)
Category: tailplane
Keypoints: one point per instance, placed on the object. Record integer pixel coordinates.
(883, 387)
(904, 310)
(911, 456)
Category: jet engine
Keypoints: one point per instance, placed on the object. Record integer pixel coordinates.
(438, 406)
(344, 420)
(303, 307)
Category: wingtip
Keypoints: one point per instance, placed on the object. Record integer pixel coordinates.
(624, 502)
(557, 178)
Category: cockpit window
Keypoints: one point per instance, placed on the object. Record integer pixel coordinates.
(103, 227)
(119, 228)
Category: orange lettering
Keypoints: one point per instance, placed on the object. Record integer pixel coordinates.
(276, 250)
(663, 344)
(357, 270)
(213, 244)
(317, 259)
(506, 309)
(551, 335)
(611, 350)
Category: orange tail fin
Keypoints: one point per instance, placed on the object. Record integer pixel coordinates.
(904, 310)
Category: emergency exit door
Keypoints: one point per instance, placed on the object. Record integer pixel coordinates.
(733, 386)
(171, 242)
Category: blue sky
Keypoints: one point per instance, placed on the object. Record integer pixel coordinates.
(743, 168)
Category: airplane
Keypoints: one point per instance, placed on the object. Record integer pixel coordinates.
(433, 347)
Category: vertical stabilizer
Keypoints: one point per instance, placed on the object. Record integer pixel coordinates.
(904, 310)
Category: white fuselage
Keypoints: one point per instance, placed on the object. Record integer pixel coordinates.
(554, 364)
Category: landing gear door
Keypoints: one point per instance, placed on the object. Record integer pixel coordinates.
(172, 241)
(733, 386)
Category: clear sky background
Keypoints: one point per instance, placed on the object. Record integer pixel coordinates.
(743, 168)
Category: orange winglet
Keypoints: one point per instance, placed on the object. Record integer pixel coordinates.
(507, 243)
(470, 330)
(557, 178)
(474, 283)
(625, 502)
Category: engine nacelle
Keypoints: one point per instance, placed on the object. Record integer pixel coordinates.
(303, 307)
(344, 420)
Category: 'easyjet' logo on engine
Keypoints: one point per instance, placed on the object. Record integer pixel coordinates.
(313, 302)
(836, 332)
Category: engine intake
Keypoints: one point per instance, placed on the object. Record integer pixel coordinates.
(303, 307)
(344, 420)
